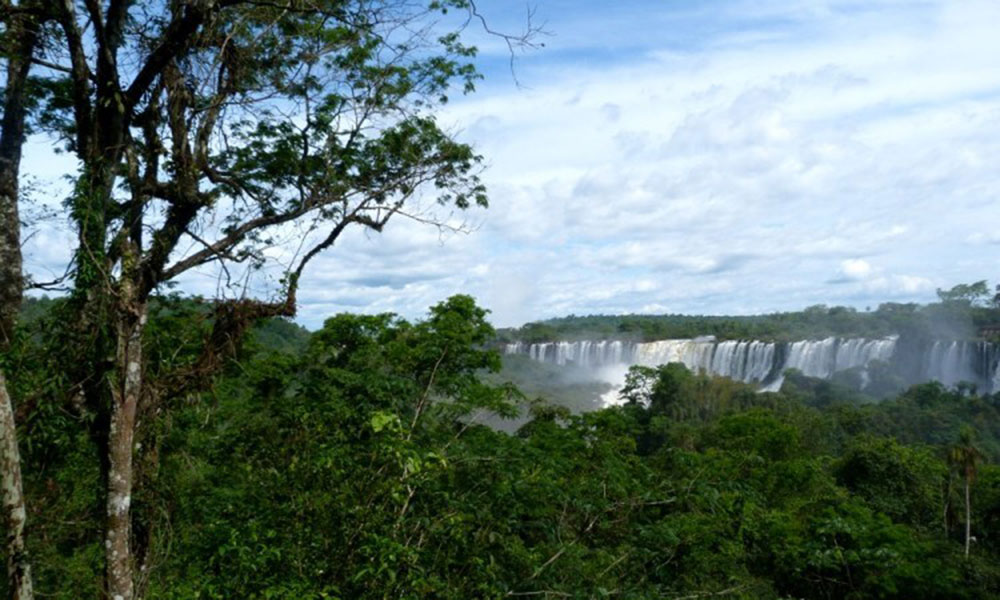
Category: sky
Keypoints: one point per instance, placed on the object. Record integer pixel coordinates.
(723, 157)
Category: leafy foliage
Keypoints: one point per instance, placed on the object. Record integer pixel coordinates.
(356, 465)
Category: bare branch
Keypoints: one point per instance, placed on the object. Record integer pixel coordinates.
(522, 41)
(50, 65)
(234, 237)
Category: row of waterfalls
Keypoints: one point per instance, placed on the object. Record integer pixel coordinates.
(949, 362)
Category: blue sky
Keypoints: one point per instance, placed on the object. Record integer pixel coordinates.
(700, 157)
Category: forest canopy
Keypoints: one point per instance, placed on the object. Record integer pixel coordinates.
(352, 463)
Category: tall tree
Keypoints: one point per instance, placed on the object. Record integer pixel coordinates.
(968, 294)
(209, 130)
(18, 44)
(965, 457)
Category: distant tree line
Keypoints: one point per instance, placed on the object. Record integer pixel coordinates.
(961, 313)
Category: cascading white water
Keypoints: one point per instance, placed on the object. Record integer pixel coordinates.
(813, 358)
(739, 359)
(946, 362)
(823, 358)
(955, 361)
(764, 362)
(995, 382)
(583, 353)
(858, 352)
(693, 353)
(743, 360)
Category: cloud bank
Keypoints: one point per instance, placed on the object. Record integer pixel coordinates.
(741, 159)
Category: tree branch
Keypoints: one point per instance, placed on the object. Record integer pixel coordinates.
(51, 65)
(81, 75)
(232, 319)
(514, 42)
(237, 235)
(173, 41)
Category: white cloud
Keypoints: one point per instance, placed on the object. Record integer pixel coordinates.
(854, 269)
(712, 160)
(985, 237)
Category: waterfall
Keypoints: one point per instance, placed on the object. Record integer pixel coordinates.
(695, 355)
(584, 353)
(943, 362)
(760, 362)
(995, 382)
(823, 358)
(748, 361)
(955, 361)
(743, 360)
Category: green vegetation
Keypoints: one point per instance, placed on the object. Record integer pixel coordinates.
(960, 314)
(238, 139)
(353, 463)
(148, 451)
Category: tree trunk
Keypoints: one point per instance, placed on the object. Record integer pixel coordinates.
(968, 518)
(125, 397)
(18, 567)
(944, 519)
(11, 141)
(24, 34)
(947, 505)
